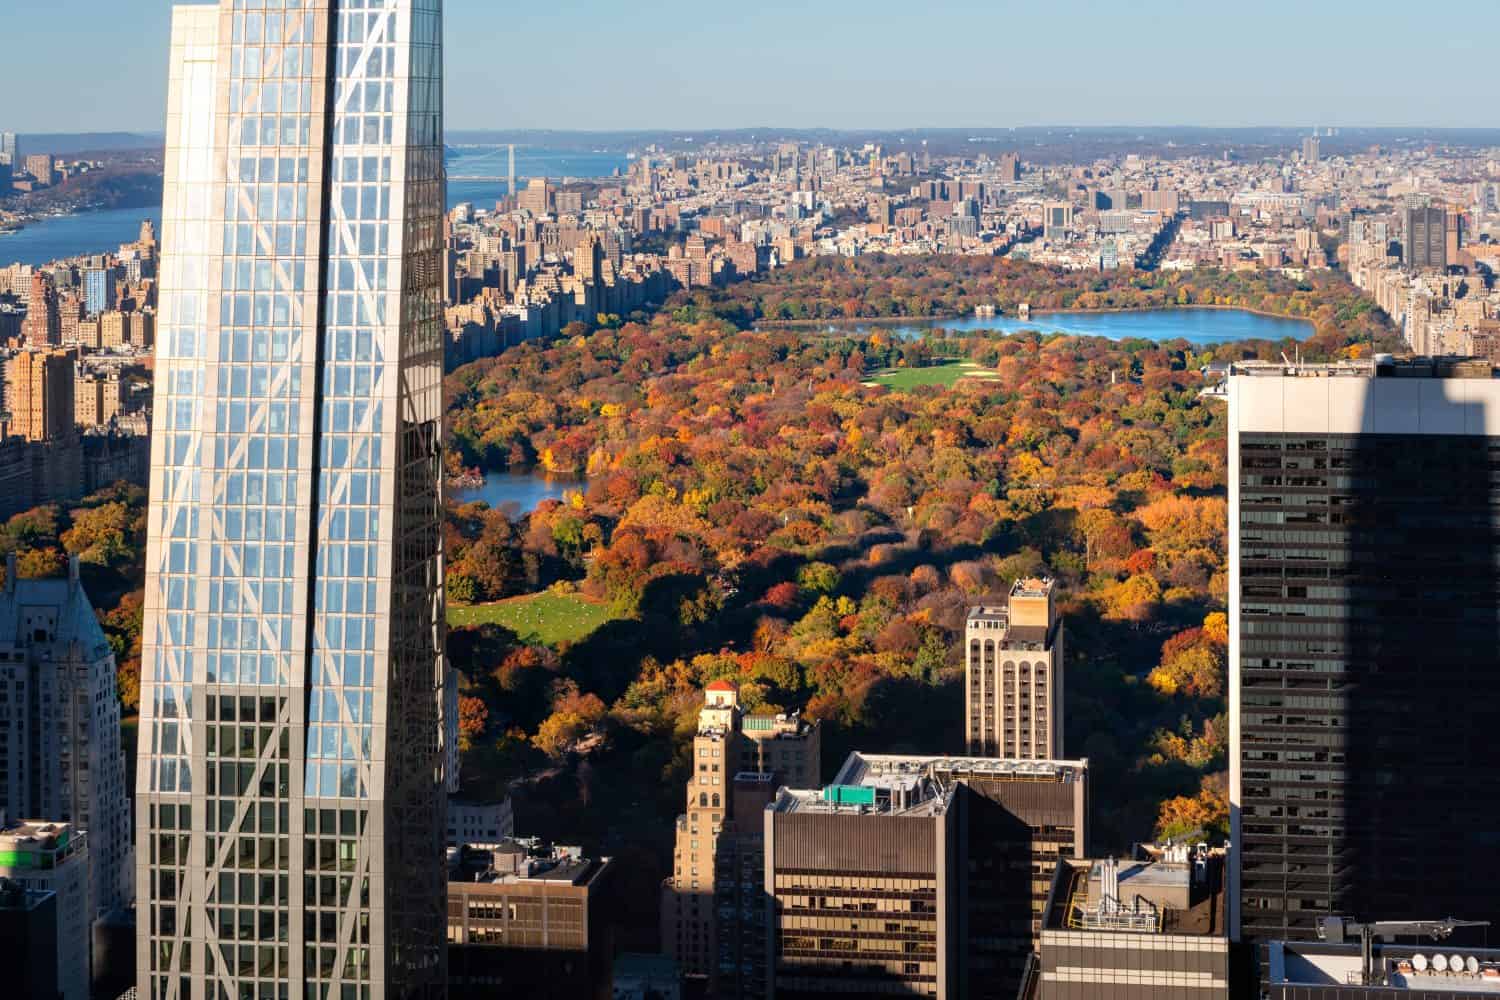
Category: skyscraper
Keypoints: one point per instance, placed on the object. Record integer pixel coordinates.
(290, 783)
(43, 324)
(713, 921)
(99, 289)
(60, 753)
(1426, 245)
(9, 151)
(1363, 615)
(1013, 675)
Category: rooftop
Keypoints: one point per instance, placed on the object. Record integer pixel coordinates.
(36, 843)
(1040, 586)
(517, 861)
(889, 770)
(1150, 897)
(1380, 366)
(1438, 967)
(896, 785)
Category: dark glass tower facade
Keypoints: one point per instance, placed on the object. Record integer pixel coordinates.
(1365, 509)
(290, 783)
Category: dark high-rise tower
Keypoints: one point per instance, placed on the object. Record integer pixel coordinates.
(290, 786)
(1363, 609)
(1425, 245)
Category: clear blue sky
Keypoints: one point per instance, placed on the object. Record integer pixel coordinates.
(89, 65)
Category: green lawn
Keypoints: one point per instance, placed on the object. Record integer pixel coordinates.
(944, 374)
(544, 618)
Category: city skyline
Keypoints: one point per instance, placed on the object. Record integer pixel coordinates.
(1171, 65)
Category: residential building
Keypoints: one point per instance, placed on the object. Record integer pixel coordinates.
(60, 753)
(948, 862)
(39, 394)
(1426, 239)
(98, 290)
(536, 198)
(9, 151)
(712, 920)
(1135, 930)
(527, 920)
(1363, 607)
(40, 167)
(1312, 149)
(53, 857)
(290, 789)
(28, 926)
(480, 824)
(43, 323)
(98, 397)
(1013, 675)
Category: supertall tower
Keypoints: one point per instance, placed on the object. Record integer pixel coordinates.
(290, 785)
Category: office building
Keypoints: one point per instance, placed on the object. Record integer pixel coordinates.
(527, 920)
(39, 394)
(54, 857)
(1013, 675)
(28, 926)
(712, 922)
(290, 789)
(43, 323)
(1314, 970)
(1362, 619)
(1312, 149)
(98, 290)
(60, 753)
(1426, 239)
(10, 152)
(1135, 930)
(948, 863)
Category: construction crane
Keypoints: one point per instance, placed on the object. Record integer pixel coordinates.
(1337, 930)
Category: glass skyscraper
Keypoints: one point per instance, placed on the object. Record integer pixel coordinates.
(291, 766)
(1364, 515)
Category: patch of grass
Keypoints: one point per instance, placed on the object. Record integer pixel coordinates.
(944, 374)
(545, 618)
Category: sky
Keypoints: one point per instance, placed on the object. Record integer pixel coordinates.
(100, 65)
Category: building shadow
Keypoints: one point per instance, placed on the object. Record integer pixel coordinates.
(1370, 645)
(1420, 663)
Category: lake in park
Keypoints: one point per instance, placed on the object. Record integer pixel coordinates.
(1198, 326)
(524, 489)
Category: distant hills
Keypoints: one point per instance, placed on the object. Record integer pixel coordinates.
(73, 143)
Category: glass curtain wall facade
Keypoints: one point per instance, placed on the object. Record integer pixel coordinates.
(1365, 513)
(290, 803)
